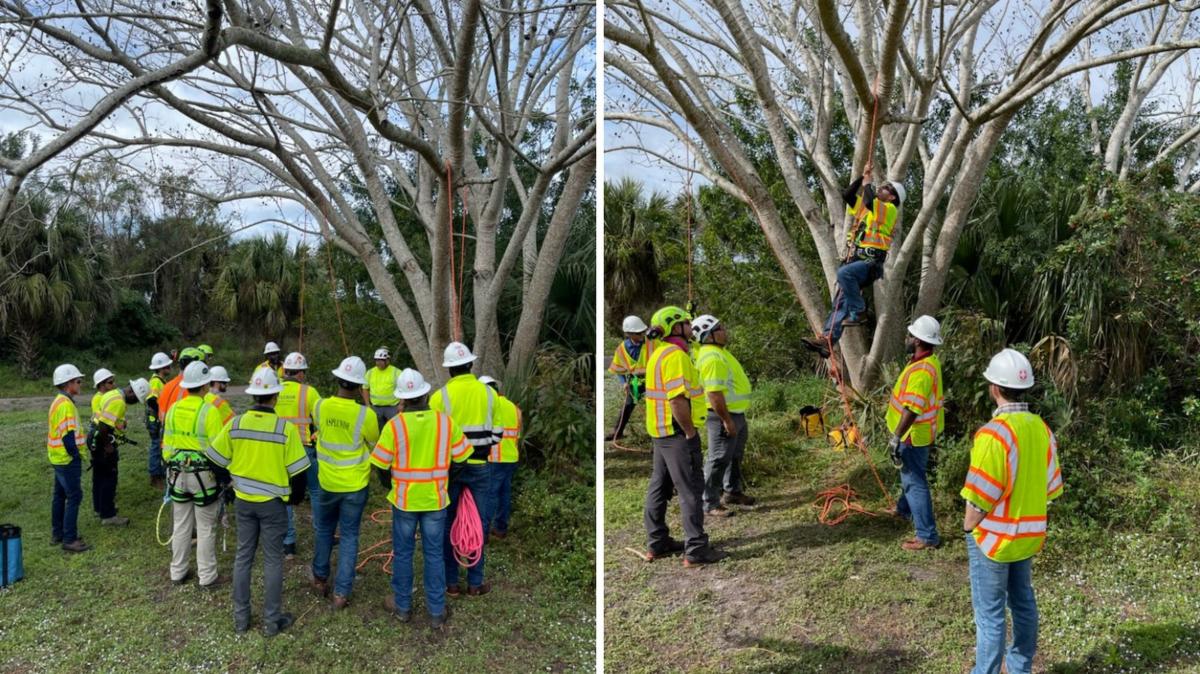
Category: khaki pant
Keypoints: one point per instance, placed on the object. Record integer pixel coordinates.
(204, 519)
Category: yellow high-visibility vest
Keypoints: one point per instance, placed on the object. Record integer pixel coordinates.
(267, 364)
(472, 406)
(873, 233)
(224, 409)
(670, 374)
(188, 430)
(381, 385)
(262, 452)
(296, 404)
(508, 416)
(63, 420)
(721, 372)
(417, 448)
(112, 410)
(349, 430)
(919, 388)
(96, 398)
(1014, 473)
(624, 364)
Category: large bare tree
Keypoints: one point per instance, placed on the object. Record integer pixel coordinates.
(358, 112)
(683, 68)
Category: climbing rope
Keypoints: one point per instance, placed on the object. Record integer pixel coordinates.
(466, 534)
(837, 504)
(303, 247)
(621, 420)
(337, 305)
(455, 275)
(383, 516)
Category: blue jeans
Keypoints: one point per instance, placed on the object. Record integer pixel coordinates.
(314, 483)
(851, 279)
(502, 479)
(993, 584)
(915, 500)
(154, 464)
(344, 510)
(289, 536)
(434, 529)
(478, 478)
(64, 508)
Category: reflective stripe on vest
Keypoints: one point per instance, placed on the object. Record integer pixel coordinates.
(656, 391)
(249, 486)
(931, 407)
(730, 396)
(477, 436)
(403, 474)
(997, 526)
(324, 447)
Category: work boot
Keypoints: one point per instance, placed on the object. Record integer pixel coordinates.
(56, 540)
(320, 586)
(816, 345)
(217, 582)
(76, 545)
(738, 498)
(454, 591)
(389, 603)
(918, 544)
(186, 577)
(479, 590)
(289, 551)
(157, 483)
(673, 547)
(115, 521)
(719, 511)
(705, 555)
(438, 622)
(339, 602)
(285, 621)
(855, 320)
(499, 535)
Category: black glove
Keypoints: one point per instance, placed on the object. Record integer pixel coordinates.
(896, 451)
(128, 441)
(456, 471)
(385, 477)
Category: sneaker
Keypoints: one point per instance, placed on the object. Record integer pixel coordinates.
(479, 590)
(817, 345)
(719, 511)
(738, 498)
(289, 551)
(673, 547)
(285, 621)
(705, 555)
(389, 603)
(115, 521)
(76, 546)
(438, 622)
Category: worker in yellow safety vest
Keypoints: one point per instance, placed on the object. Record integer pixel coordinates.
(273, 356)
(65, 450)
(1014, 474)
(349, 431)
(215, 395)
(160, 368)
(674, 411)
(266, 462)
(414, 456)
(727, 391)
(104, 381)
(629, 365)
(380, 390)
(296, 403)
(188, 430)
(869, 240)
(915, 418)
(110, 432)
(472, 406)
(503, 457)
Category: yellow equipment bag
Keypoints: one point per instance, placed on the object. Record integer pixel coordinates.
(844, 436)
(812, 421)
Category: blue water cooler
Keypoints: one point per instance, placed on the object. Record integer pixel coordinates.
(12, 565)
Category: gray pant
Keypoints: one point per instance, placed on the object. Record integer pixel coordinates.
(723, 469)
(677, 465)
(385, 412)
(265, 523)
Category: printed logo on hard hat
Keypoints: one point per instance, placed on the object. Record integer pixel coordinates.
(409, 384)
(1022, 375)
(462, 351)
(258, 381)
(347, 368)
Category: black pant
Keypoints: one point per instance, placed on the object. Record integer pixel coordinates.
(678, 465)
(623, 420)
(104, 477)
(259, 523)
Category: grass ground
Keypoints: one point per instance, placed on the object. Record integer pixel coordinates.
(114, 608)
(799, 596)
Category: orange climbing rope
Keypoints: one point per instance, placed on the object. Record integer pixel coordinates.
(365, 555)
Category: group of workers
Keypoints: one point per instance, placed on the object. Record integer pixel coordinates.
(426, 445)
(1014, 469)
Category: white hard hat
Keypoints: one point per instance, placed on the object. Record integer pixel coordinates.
(410, 384)
(65, 373)
(264, 382)
(899, 188)
(1010, 369)
(195, 375)
(489, 381)
(100, 376)
(633, 324)
(703, 325)
(382, 353)
(927, 329)
(352, 369)
(219, 373)
(295, 361)
(271, 347)
(141, 389)
(457, 353)
(159, 361)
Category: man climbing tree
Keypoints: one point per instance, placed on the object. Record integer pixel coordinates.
(868, 241)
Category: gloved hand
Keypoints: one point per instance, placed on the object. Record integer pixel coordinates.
(895, 451)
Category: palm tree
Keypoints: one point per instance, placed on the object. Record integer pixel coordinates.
(631, 256)
(259, 285)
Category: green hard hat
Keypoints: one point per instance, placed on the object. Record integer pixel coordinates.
(667, 317)
(191, 353)
(205, 349)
